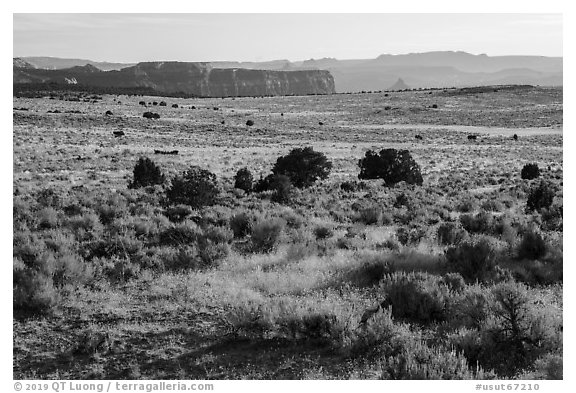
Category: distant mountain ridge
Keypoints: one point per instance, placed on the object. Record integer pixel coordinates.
(194, 79)
(417, 70)
(57, 63)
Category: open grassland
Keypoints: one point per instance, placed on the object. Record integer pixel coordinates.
(452, 279)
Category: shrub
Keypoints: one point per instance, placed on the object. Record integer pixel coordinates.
(471, 307)
(472, 260)
(48, 198)
(552, 218)
(480, 223)
(416, 360)
(113, 208)
(372, 268)
(179, 235)
(418, 297)
(33, 291)
(391, 165)
(323, 232)
(492, 205)
(250, 123)
(454, 281)
(530, 171)
(532, 246)
(40, 274)
(282, 189)
(265, 235)
(151, 115)
(241, 225)
(196, 187)
(369, 216)
(548, 367)
(519, 332)
(351, 186)
(451, 234)
(178, 213)
(211, 251)
(264, 183)
(303, 166)
(402, 200)
(48, 218)
(511, 309)
(194, 248)
(466, 205)
(243, 180)
(146, 173)
(540, 197)
(411, 235)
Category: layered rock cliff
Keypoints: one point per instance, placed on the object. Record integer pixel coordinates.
(198, 79)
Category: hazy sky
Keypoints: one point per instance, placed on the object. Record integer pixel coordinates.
(258, 37)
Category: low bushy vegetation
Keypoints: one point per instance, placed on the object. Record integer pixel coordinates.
(244, 180)
(540, 197)
(303, 166)
(391, 165)
(196, 187)
(530, 171)
(305, 273)
(146, 173)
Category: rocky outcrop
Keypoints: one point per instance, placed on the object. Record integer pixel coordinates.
(399, 85)
(198, 79)
(242, 82)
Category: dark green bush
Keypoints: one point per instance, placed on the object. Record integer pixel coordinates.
(241, 225)
(146, 173)
(479, 223)
(243, 180)
(197, 187)
(264, 183)
(530, 171)
(282, 189)
(48, 197)
(540, 197)
(151, 115)
(418, 297)
(532, 246)
(178, 213)
(402, 200)
(303, 166)
(372, 269)
(411, 235)
(323, 232)
(552, 218)
(454, 281)
(472, 260)
(351, 186)
(391, 165)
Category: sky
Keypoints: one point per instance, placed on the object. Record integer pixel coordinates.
(131, 38)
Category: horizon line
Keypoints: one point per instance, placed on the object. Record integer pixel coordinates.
(285, 59)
